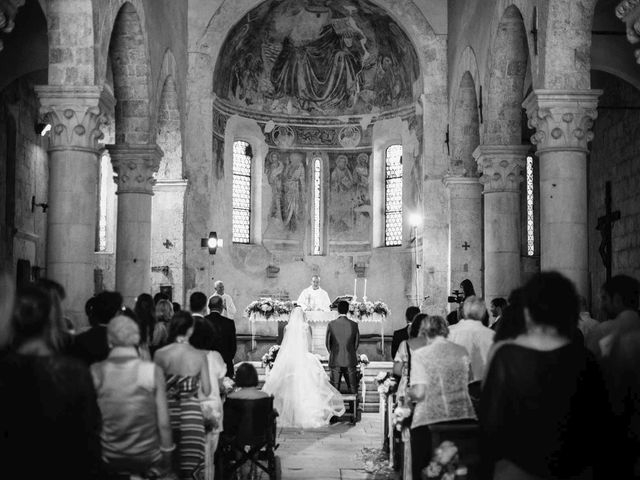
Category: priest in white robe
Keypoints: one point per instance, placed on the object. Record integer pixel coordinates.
(314, 298)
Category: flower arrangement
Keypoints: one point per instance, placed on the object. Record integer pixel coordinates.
(386, 383)
(363, 361)
(270, 357)
(367, 308)
(445, 464)
(228, 385)
(402, 415)
(268, 307)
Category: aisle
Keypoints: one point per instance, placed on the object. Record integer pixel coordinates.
(337, 452)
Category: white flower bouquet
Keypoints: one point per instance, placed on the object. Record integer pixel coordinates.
(366, 309)
(268, 307)
(445, 464)
(270, 357)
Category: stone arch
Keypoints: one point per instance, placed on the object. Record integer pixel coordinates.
(169, 129)
(129, 57)
(465, 134)
(507, 69)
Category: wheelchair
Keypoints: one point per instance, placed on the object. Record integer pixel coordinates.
(249, 437)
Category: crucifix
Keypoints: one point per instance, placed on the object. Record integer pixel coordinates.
(605, 225)
(466, 246)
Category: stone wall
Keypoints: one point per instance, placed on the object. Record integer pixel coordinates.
(23, 238)
(615, 158)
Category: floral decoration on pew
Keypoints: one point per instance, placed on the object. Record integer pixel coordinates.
(365, 309)
(270, 357)
(386, 383)
(363, 361)
(402, 416)
(268, 307)
(445, 464)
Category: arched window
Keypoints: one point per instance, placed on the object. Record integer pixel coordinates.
(107, 206)
(317, 206)
(393, 196)
(530, 208)
(242, 156)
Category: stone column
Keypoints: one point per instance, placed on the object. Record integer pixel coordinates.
(76, 114)
(134, 166)
(465, 231)
(563, 120)
(501, 167)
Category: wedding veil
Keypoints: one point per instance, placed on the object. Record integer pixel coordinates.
(302, 393)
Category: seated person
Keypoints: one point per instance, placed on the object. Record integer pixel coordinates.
(247, 383)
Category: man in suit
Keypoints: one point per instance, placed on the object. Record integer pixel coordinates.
(224, 331)
(202, 328)
(342, 340)
(91, 345)
(403, 333)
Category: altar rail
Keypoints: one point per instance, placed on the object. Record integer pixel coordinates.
(370, 345)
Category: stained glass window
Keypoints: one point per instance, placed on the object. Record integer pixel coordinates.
(317, 203)
(530, 206)
(393, 196)
(241, 192)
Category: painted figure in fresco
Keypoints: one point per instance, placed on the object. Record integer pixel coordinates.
(275, 169)
(320, 62)
(361, 178)
(388, 82)
(342, 201)
(294, 191)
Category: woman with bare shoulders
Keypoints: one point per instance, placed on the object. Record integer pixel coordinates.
(186, 373)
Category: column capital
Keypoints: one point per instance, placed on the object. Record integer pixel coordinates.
(452, 180)
(629, 12)
(501, 166)
(562, 118)
(135, 166)
(76, 115)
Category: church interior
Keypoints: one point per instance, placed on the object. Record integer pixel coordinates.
(393, 148)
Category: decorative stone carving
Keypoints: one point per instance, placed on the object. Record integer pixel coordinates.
(501, 166)
(135, 166)
(562, 118)
(629, 12)
(76, 115)
(283, 136)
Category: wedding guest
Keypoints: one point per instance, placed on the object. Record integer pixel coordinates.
(229, 309)
(176, 307)
(57, 293)
(145, 317)
(187, 375)
(437, 401)
(160, 296)
(224, 330)
(164, 313)
(91, 346)
(473, 335)
(498, 305)
(512, 323)
(619, 298)
(198, 304)
(403, 333)
(402, 369)
(211, 404)
(548, 386)
(49, 417)
(247, 383)
(136, 432)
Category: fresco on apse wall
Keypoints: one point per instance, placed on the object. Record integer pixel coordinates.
(317, 57)
(287, 179)
(350, 199)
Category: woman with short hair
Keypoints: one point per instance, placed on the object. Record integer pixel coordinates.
(439, 378)
(246, 379)
(136, 433)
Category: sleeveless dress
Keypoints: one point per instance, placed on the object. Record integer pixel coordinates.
(187, 424)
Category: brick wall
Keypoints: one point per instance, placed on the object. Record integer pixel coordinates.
(615, 157)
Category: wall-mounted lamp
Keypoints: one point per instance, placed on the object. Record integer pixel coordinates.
(415, 219)
(43, 205)
(212, 242)
(42, 129)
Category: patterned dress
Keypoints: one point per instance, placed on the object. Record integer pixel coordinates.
(187, 424)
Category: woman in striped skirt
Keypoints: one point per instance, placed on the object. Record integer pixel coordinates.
(185, 370)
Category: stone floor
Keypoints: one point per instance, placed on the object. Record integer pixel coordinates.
(336, 452)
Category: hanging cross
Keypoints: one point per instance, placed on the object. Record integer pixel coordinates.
(605, 225)
(466, 246)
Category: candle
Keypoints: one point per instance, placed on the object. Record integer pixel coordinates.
(355, 280)
(365, 288)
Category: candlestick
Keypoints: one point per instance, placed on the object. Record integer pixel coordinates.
(355, 280)
(364, 296)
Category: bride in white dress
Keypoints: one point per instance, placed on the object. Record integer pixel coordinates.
(302, 393)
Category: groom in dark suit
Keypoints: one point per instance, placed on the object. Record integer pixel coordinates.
(224, 331)
(342, 342)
